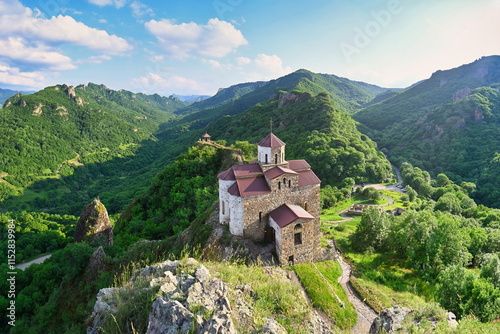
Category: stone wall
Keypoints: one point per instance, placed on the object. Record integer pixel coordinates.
(254, 205)
(307, 249)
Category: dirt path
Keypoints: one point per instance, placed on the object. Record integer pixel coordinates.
(365, 314)
(40, 259)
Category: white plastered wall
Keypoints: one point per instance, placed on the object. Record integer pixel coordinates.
(224, 207)
(236, 220)
(262, 154)
(277, 236)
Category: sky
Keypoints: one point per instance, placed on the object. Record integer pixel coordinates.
(195, 47)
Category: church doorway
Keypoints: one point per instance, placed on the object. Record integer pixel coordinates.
(269, 234)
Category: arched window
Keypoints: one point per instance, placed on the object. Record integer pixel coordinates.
(279, 185)
(297, 234)
(305, 206)
(275, 158)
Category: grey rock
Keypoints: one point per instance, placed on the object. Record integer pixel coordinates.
(220, 323)
(201, 273)
(452, 319)
(390, 320)
(169, 317)
(272, 327)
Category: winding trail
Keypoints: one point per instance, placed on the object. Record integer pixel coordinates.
(365, 314)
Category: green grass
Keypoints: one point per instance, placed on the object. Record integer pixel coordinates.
(396, 196)
(274, 296)
(332, 214)
(320, 282)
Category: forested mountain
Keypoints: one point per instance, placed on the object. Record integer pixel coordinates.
(6, 93)
(49, 134)
(448, 123)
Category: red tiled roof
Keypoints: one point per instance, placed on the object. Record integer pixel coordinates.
(307, 178)
(227, 175)
(271, 141)
(247, 170)
(298, 164)
(288, 213)
(206, 135)
(277, 171)
(249, 186)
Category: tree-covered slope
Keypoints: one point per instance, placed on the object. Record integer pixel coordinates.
(48, 134)
(449, 123)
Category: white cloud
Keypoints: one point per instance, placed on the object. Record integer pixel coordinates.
(243, 60)
(154, 83)
(139, 9)
(103, 21)
(215, 39)
(94, 59)
(13, 76)
(42, 56)
(17, 20)
(29, 43)
(217, 65)
(102, 3)
(263, 67)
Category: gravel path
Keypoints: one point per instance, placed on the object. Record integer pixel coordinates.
(365, 314)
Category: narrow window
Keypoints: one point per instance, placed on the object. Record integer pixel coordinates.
(290, 260)
(279, 185)
(297, 234)
(260, 217)
(266, 158)
(305, 206)
(275, 158)
(289, 183)
(223, 207)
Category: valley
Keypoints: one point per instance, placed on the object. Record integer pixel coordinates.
(140, 155)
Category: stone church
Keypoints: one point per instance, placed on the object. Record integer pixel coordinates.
(273, 200)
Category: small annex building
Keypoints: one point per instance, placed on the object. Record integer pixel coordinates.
(273, 200)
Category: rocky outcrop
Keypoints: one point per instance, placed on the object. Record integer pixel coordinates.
(393, 319)
(292, 98)
(71, 92)
(96, 265)
(94, 224)
(189, 299)
(461, 94)
(390, 320)
(38, 110)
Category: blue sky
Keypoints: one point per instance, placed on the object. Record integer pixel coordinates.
(195, 47)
